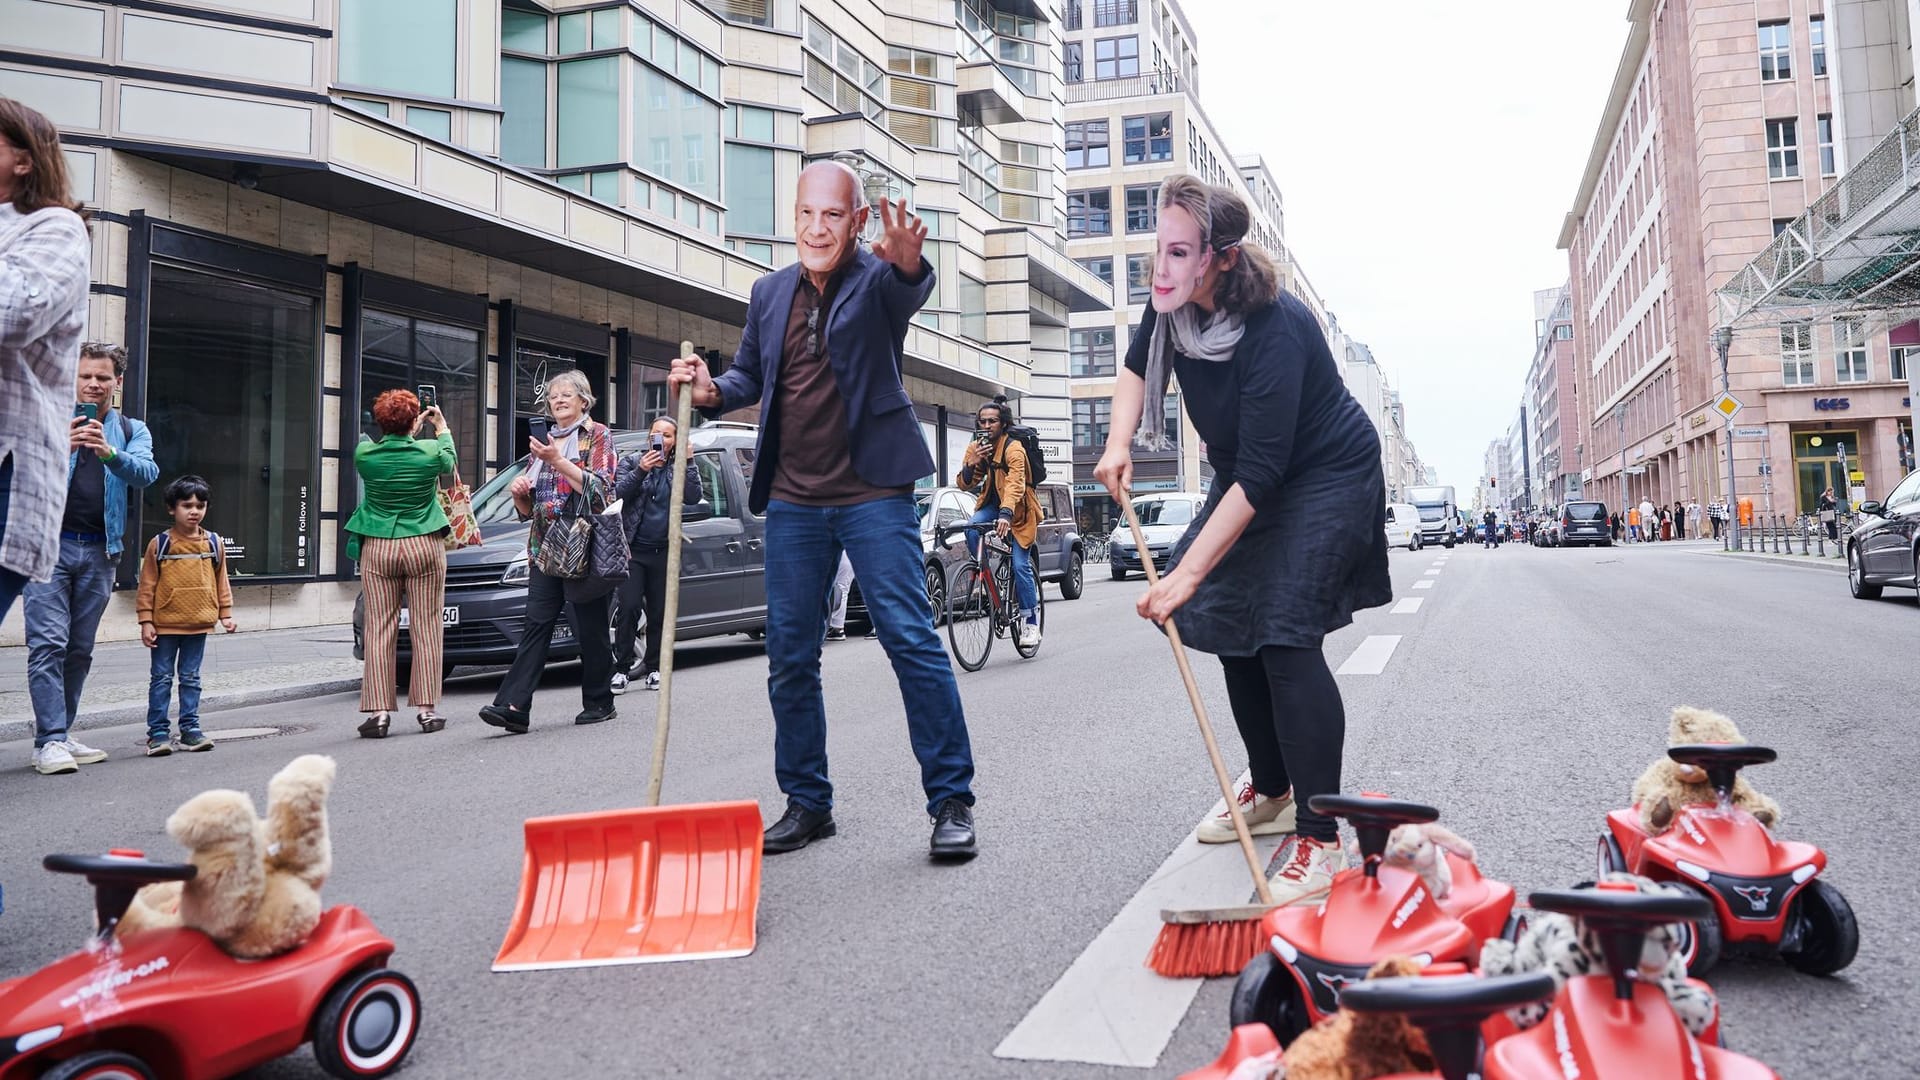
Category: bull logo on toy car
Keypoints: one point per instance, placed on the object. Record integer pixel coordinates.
(1756, 896)
(1334, 982)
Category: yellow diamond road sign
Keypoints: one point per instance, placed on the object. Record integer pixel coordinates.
(1727, 405)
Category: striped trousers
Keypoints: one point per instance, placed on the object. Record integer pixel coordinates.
(413, 568)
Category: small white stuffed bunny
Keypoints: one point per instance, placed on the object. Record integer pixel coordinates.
(1419, 848)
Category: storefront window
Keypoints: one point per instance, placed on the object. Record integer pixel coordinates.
(405, 47)
(252, 431)
(533, 366)
(1816, 465)
(399, 352)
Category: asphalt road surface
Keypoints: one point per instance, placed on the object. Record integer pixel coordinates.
(1523, 696)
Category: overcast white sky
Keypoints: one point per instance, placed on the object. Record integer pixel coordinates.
(1427, 153)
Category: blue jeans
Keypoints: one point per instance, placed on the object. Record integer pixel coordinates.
(882, 538)
(63, 615)
(184, 651)
(10, 582)
(1023, 586)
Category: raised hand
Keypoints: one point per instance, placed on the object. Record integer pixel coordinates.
(901, 234)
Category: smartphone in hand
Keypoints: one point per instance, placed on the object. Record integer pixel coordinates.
(540, 427)
(87, 410)
(657, 444)
(429, 395)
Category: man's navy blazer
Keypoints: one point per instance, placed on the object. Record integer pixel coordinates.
(866, 330)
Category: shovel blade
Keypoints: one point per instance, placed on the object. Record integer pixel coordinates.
(636, 887)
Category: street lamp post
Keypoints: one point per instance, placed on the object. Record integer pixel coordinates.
(1722, 341)
(1620, 425)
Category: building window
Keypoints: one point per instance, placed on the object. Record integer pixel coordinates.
(1074, 67)
(1147, 138)
(523, 93)
(435, 122)
(1898, 358)
(1070, 14)
(1100, 266)
(750, 189)
(1114, 12)
(973, 308)
(1092, 351)
(1796, 353)
(1783, 149)
(523, 31)
(1776, 51)
(1172, 407)
(1563, 332)
(407, 48)
(1850, 350)
(1116, 58)
(589, 112)
(1087, 145)
(679, 127)
(748, 12)
(398, 352)
(1142, 211)
(1817, 35)
(1781, 224)
(1091, 417)
(1823, 130)
(1139, 278)
(1089, 213)
(253, 432)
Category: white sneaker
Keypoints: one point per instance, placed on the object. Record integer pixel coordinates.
(653, 680)
(1306, 870)
(1265, 817)
(53, 758)
(82, 753)
(619, 683)
(1029, 635)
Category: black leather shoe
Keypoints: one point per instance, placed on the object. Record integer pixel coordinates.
(514, 720)
(953, 832)
(595, 716)
(797, 828)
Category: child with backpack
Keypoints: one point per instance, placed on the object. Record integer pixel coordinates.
(183, 592)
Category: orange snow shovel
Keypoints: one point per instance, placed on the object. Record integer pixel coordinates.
(650, 884)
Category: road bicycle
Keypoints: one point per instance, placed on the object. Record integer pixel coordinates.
(981, 602)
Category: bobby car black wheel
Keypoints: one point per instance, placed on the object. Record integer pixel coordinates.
(100, 1065)
(1265, 993)
(1608, 859)
(1829, 935)
(367, 1025)
(1700, 945)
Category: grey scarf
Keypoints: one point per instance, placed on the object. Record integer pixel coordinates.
(1182, 330)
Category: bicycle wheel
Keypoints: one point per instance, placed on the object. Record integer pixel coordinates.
(969, 616)
(1027, 652)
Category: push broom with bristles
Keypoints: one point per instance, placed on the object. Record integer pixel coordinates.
(1203, 942)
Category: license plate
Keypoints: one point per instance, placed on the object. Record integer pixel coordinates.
(449, 616)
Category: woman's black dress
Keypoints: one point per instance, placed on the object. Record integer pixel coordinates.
(1277, 419)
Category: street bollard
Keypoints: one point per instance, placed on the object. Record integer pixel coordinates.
(1804, 538)
(1823, 543)
(1779, 529)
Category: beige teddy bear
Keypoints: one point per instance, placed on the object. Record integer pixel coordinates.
(1667, 785)
(258, 890)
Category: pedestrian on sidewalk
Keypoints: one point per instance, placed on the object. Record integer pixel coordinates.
(837, 600)
(1489, 531)
(838, 453)
(397, 535)
(995, 465)
(1292, 540)
(44, 254)
(1683, 513)
(183, 593)
(576, 458)
(1633, 524)
(1828, 506)
(1666, 524)
(643, 482)
(112, 455)
(1717, 514)
(1649, 522)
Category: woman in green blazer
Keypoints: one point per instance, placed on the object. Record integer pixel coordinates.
(395, 535)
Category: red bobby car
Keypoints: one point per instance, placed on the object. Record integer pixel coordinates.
(171, 1003)
(1766, 893)
(1601, 1027)
(1372, 912)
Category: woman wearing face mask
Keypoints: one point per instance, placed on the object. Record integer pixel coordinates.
(577, 457)
(1293, 537)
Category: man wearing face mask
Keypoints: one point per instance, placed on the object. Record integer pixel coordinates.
(839, 451)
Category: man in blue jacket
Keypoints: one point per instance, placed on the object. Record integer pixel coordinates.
(839, 452)
(110, 454)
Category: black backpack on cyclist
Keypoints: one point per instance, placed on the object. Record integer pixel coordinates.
(1036, 462)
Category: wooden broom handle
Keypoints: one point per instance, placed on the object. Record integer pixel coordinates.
(1200, 714)
(670, 615)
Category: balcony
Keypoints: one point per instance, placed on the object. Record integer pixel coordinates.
(1130, 87)
(1050, 271)
(987, 90)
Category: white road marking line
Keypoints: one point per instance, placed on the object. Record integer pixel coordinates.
(1109, 1008)
(1372, 655)
(1423, 583)
(1409, 606)
(1433, 572)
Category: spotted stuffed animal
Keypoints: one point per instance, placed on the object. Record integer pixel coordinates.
(1564, 947)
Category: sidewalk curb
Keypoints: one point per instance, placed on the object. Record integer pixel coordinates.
(1812, 561)
(11, 730)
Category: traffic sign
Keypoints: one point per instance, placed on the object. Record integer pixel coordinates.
(1727, 406)
(1636, 470)
(1749, 433)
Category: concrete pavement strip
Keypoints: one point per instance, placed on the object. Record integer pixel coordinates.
(1811, 561)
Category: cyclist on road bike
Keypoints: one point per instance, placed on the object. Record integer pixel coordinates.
(995, 465)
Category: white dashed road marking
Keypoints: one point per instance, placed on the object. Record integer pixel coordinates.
(1434, 572)
(1372, 655)
(1409, 606)
(1423, 583)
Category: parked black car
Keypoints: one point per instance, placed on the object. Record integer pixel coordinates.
(1584, 523)
(1884, 549)
(722, 574)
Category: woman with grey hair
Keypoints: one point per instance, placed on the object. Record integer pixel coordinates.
(577, 457)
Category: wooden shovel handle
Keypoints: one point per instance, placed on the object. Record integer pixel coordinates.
(670, 615)
(1200, 714)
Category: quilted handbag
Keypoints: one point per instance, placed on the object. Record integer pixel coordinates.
(463, 529)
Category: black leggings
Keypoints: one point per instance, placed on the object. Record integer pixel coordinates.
(1288, 709)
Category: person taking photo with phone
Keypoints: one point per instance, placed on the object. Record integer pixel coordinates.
(110, 456)
(995, 465)
(644, 485)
